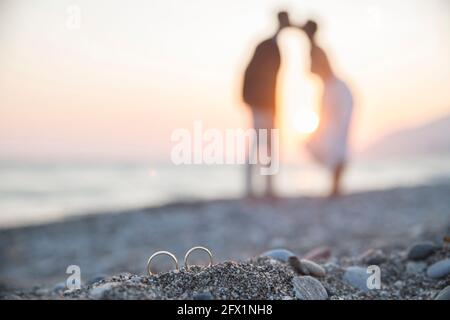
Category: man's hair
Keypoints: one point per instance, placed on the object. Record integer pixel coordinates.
(283, 19)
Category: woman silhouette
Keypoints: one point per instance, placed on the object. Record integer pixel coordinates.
(328, 145)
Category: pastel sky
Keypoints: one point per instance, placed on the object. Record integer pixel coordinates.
(134, 71)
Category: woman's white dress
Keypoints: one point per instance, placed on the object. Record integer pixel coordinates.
(328, 144)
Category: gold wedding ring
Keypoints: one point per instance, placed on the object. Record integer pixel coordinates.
(158, 253)
(186, 265)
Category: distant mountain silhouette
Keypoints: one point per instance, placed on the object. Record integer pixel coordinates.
(432, 138)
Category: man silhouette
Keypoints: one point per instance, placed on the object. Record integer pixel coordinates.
(259, 93)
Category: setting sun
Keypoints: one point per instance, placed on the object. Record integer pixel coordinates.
(305, 122)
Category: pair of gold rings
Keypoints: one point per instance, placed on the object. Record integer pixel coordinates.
(186, 265)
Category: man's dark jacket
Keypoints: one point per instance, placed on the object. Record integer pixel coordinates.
(260, 79)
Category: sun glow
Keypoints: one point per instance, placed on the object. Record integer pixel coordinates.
(298, 93)
(305, 122)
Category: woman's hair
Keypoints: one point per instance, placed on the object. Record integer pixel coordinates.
(310, 29)
(319, 62)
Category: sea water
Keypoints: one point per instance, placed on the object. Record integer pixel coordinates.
(39, 193)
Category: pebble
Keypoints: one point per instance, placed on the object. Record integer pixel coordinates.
(440, 269)
(203, 296)
(95, 279)
(60, 286)
(70, 291)
(308, 288)
(99, 291)
(317, 254)
(332, 265)
(444, 294)
(446, 241)
(281, 255)
(413, 267)
(313, 268)
(357, 277)
(295, 264)
(421, 250)
(373, 257)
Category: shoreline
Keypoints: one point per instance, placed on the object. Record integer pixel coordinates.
(82, 215)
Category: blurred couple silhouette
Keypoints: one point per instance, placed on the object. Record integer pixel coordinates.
(328, 144)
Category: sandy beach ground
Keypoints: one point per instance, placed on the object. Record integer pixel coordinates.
(234, 230)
